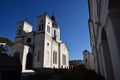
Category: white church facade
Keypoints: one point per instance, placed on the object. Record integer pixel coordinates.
(42, 48)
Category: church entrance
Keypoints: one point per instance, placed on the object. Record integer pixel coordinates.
(107, 56)
(17, 55)
(29, 61)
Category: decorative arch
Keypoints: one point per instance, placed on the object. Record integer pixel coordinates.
(29, 60)
(16, 55)
(107, 55)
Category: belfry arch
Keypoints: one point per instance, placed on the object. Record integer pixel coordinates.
(107, 56)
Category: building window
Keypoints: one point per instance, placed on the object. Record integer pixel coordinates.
(20, 26)
(48, 22)
(29, 61)
(41, 21)
(19, 32)
(48, 29)
(54, 32)
(47, 54)
(28, 40)
(41, 27)
(85, 60)
(47, 44)
(54, 57)
(64, 59)
(38, 58)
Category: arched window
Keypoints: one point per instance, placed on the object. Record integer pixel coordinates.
(41, 27)
(47, 54)
(54, 57)
(54, 33)
(64, 59)
(19, 31)
(48, 29)
(29, 61)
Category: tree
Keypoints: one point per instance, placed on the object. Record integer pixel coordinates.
(6, 40)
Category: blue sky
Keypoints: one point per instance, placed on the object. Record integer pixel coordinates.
(71, 15)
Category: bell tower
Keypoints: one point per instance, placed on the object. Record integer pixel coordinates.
(56, 28)
(23, 27)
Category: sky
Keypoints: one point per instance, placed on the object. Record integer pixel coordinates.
(71, 15)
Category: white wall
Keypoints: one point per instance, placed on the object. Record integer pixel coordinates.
(25, 52)
(48, 22)
(64, 51)
(38, 49)
(27, 27)
(48, 51)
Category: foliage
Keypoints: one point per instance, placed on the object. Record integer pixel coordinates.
(78, 72)
(2, 49)
(40, 76)
(6, 40)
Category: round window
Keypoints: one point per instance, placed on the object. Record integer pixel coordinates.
(28, 40)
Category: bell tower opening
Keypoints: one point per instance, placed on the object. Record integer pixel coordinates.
(23, 27)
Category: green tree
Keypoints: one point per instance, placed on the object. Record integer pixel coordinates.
(6, 40)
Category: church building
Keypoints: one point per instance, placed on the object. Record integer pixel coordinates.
(42, 48)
